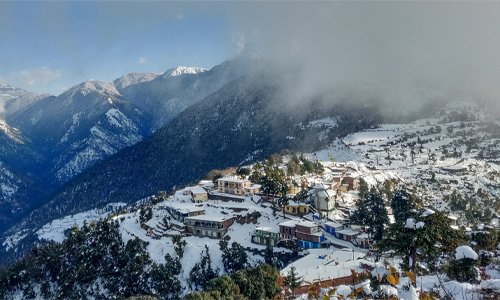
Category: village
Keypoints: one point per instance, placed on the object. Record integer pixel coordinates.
(332, 251)
(236, 208)
(301, 206)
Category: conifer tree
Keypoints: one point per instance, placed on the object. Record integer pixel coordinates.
(402, 204)
(292, 280)
(202, 271)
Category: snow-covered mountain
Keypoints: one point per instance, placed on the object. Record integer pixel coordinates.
(64, 135)
(181, 70)
(133, 78)
(83, 125)
(13, 99)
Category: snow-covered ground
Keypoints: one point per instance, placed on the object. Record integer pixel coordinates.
(434, 156)
(54, 231)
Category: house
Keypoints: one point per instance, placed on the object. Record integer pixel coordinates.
(181, 211)
(347, 234)
(363, 240)
(327, 267)
(453, 220)
(293, 189)
(236, 186)
(266, 236)
(349, 181)
(322, 198)
(287, 230)
(296, 208)
(308, 234)
(208, 225)
(332, 227)
(208, 185)
(198, 194)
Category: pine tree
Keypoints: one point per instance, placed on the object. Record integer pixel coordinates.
(370, 211)
(202, 271)
(432, 240)
(402, 204)
(363, 189)
(234, 258)
(378, 218)
(463, 270)
(292, 280)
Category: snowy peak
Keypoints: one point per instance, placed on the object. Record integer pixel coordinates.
(90, 86)
(180, 70)
(13, 99)
(134, 78)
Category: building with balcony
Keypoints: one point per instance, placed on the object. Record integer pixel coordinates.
(296, 208)
(208, 226)
(236, 186)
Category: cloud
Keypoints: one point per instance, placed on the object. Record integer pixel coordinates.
(142, 60)
(238, 42)
(400, 51)
(40, 76)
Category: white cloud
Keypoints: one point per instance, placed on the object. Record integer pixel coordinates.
(142, 60)
(41, 76)
(239, 42)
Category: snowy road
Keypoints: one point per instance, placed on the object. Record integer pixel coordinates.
(343, 243)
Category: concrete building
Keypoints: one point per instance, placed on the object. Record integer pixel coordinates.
(347, 234)
(198, 194)
(296, 208)
(181, 211)
(207, 225)
(266, 236)
(307, 234)
(236, 186)
(322, 198)
(332, 227)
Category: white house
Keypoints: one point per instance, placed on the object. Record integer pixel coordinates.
(323, 199)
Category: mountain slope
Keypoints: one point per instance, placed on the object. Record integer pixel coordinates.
(21, 173)
(243, 121)
(91, 121)
(83, 125)
(13, 99)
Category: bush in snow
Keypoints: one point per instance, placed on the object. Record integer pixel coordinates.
(464, 267)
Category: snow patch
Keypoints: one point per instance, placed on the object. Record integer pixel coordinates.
(465, 252)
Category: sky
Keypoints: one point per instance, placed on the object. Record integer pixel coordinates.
(389, 48)
(48, 47)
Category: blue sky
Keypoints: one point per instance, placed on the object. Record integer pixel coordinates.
(51, 46)
(390, 45)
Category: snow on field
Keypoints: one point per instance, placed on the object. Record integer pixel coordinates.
(327, 122)
(54, 231)
(434, 156)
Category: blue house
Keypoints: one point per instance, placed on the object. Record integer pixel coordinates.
(332, 227)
